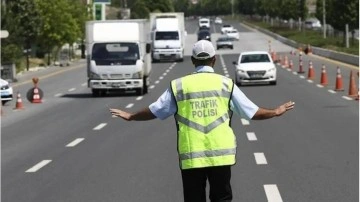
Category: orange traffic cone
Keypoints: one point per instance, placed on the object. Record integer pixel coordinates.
(323, 79)
(280, 60)
(36, 96)
(311, 73)
(286, 62)
(291, 64)
(353, 92)
(339, 82)
(19, 104)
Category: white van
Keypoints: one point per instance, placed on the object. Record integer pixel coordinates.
(204, 22)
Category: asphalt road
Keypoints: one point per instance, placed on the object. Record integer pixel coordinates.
(69, 148)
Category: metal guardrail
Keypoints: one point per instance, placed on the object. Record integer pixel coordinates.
(342, 57)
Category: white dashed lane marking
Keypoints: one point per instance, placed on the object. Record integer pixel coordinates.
(75, 142)
(38, 166)
(72, 89)
(129, 105)
(100, 126)
(245, 122)
(260, 158)
(272, 193)
(251, 136)
(139, 98)
(58, 95)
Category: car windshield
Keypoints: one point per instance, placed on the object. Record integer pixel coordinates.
(225, 39)
(167, 35)
(255, 58)
(204, 21)
(107, 53)
(227, 26)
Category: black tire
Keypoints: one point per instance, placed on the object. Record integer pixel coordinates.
(139, 91)
(273, 83)
(96, 92)
(145, 86)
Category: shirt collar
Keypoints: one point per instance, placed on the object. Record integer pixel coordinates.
(204, 69)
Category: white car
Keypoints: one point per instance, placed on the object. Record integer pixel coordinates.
(218, 20)
(233, 34)
(6, 91)
(204, 22)
(226, 28)
(255, 67)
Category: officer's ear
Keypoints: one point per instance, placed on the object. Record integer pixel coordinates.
(213, 60)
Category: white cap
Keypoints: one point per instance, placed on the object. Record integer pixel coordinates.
(203, 50)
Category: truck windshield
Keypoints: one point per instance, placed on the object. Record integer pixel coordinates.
(167, 36)
(110, 53)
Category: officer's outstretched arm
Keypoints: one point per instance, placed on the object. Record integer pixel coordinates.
(263, 113)
(142, 115)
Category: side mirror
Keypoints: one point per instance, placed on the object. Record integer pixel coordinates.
(148, 48)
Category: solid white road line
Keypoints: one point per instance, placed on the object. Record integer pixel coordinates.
(260, 158)
(71, 89)
(251, 136)
(245, 122)
(75, 142)
(38, 166)
(100, 126)
(129, 105)
(272, 193)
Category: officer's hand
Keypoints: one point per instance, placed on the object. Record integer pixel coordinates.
(285, 107)
(119, 113)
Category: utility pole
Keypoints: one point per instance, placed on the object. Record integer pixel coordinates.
(232, 8)
(324, 19)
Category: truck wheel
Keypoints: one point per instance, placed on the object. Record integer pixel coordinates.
(96, 92)
(140, 91)
(145, 86)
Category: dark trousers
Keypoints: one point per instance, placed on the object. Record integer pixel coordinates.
(194, 184)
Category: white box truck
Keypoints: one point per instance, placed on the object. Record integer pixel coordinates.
(118, 55)
(168, 36)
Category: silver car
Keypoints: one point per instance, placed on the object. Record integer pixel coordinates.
(6, 91)
(224, 42)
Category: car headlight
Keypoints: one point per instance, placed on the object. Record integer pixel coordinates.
(137, 75)
(94, 76)
(5, 87)
(240, 70)
(272, 69)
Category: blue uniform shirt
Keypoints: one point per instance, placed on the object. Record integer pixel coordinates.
(165, 106)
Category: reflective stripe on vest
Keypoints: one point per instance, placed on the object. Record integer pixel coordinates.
(203, 117)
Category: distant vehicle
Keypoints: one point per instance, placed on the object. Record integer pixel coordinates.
(218, 20)
(167, 31)
(204, 22)
(204, 34)
(226, 28)
(6, 91)
(255, 67)
(233, 34)
(224, 42)
(312, 23)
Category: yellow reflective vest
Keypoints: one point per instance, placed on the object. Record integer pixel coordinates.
(203, 115)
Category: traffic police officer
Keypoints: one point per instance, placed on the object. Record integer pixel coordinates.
(202, 103)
